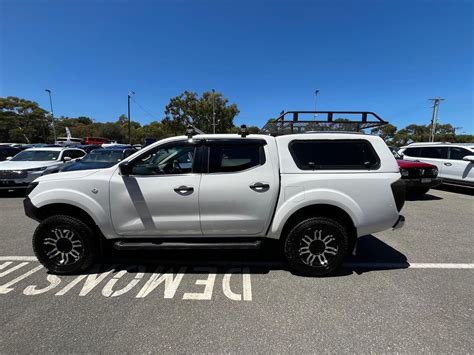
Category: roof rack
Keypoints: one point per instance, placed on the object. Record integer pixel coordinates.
(289, 122)
(429, 143)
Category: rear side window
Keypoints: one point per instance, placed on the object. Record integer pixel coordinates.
(334, 154)
(434, 152)
(227, 158)
(412, 152)
(458, 153)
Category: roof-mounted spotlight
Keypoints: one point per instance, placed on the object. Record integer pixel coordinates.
(243, 131)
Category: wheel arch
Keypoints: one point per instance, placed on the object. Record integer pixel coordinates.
(321, 210)
(66, 210)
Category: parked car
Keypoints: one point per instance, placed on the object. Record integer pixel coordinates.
(88, 147)
(30, 164)
(8, 152)
(314, 192)
(99, 159)
(419, 177)
(455, 161)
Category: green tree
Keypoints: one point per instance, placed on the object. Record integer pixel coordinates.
(22, 121)
(386, 132)
(189, 108)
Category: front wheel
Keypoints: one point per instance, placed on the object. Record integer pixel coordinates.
(65, 245)
(316, 246)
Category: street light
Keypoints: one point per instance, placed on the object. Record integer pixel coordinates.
(213, 112)
(130, 93)
(52, 113)
(315, 98)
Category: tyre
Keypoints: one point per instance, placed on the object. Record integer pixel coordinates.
(316, 246)
(65, 245)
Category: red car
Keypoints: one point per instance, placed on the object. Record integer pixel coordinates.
(419, 177)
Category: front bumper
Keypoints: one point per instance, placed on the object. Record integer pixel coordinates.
(422, 182)
(30, 209)
(17, 183)
(400, 222)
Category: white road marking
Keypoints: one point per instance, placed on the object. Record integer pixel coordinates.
(5, 288)
(171, 283)
(16, 267)
(208, 283)
(18, 258)
(226, 285)
(409, 265)
(108, 291)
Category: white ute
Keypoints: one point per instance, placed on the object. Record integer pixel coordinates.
(316, 192)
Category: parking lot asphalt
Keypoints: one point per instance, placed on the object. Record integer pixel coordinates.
(409, 290)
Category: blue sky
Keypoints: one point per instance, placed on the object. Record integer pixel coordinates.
(266, 56)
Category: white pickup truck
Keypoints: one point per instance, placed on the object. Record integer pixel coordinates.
(316, 192)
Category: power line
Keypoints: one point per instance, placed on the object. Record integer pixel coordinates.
(145, 110)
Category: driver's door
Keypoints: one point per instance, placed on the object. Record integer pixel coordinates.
(160, 195)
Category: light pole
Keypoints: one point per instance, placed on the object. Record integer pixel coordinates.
(213, 112)
(130, 93)
(52, 113)
(315, 99)
(434, 117)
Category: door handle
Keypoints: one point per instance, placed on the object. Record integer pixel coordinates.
(448, 164)
(184, 190)
(260, 187)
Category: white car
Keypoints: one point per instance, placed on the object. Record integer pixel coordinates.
(26, 166)
(455, 161)
(315, 192)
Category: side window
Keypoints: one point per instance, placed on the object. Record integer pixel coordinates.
(456, 153)
(434, 152)
(172, 159)
(128, 153)
(227, 158)
(334, 154)
(412, 152)
(77, 154)
(73, 154)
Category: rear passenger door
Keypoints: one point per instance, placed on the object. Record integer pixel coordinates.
(433, 155)
(238, 188)
(456, 168)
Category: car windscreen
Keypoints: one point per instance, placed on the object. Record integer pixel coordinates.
(37, 155)
(103, 156)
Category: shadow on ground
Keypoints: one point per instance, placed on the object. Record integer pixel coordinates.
(424, 197)
(372, 255)
(12, 193)
(456, 189)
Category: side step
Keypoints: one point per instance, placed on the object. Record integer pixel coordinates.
(185, 245)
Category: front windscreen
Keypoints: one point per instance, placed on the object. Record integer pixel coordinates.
(104, 156)
(37, 155)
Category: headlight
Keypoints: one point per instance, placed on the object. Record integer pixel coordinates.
(404, 172)
(36, 169)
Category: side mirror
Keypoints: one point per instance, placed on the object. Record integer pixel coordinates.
(8, 158)
(469, 158)
(66, 159)
(125, 168)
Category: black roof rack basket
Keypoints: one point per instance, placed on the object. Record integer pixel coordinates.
(290, 122)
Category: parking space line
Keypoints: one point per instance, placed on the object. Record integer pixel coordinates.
(18, 258)
(357, 265)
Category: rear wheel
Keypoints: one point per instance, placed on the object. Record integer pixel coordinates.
(316, 246)
(65, 245)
